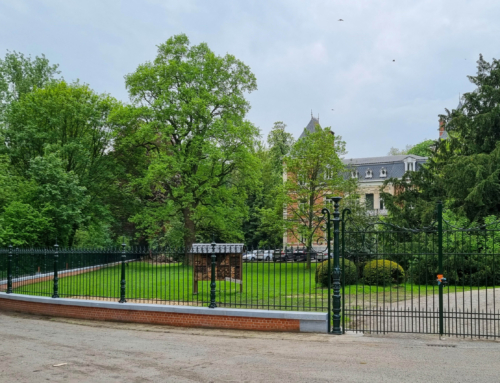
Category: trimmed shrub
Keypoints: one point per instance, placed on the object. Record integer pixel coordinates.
(382, 272)
(351, 273)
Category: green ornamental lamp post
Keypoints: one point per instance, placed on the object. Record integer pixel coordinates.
(336, 298)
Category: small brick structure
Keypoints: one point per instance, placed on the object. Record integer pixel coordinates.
(182, 316)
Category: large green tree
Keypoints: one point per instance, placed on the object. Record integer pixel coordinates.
(264, 226)
(186, 127)
(20, 75)
(315, 171)
(62, 130)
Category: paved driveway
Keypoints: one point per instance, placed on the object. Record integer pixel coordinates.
(32, 347)
(475, 312)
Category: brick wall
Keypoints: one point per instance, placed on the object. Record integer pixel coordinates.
(150, 317)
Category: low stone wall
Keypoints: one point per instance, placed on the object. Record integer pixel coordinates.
(183, 316)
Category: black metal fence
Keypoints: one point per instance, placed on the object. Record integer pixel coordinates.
(442, 279)
(271, 279)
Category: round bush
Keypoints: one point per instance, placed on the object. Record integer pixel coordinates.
(382, 272)
(351, 273)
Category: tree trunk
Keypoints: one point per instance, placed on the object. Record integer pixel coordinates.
(309, 246)
(189, 235)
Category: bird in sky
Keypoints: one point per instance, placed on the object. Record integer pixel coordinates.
(341, 20)
(393, 60)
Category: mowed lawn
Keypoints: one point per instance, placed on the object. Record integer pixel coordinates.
(281, 286)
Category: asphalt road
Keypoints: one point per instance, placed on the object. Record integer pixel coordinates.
(32, 349)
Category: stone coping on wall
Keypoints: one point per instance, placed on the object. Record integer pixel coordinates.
(306, 321)
(61, 272)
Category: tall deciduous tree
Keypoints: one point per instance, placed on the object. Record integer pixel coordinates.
(314, 172)
(68, 123)
(188, 124)
(20, 75)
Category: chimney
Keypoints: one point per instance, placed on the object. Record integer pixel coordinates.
(441, 128)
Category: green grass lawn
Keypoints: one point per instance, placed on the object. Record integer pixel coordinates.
(281, 286)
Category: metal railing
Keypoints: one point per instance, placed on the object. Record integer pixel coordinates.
(276, 279)
(435, 280)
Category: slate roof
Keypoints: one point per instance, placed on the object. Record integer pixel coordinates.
(220, 248)
(310, 127)
(394, 166)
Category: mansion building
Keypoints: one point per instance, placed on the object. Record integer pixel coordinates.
(371, 172)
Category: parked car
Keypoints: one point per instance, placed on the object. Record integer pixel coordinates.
(323, 256)
(300, 255)
(249, 256)
(264, 255)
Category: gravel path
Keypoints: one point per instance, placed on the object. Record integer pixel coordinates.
(37, 349)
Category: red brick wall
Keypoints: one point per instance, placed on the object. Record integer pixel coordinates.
(151, 317)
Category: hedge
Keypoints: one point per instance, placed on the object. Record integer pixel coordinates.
(351, 273)
(382, 272)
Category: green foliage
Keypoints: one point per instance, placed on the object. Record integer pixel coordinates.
(58, 137)
(314, 171)
(59, 193)
(189, 141)
(473, 184)
(20, 75)
(383, 272)
(475, 126)
(423, 149)
(470, 253)
(463, 169)
(350, 275)
(23, 225)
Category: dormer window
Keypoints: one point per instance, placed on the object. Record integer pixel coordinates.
(369, 173)
(410, 164)
(383, 172)
(354, 174)
(328, 173)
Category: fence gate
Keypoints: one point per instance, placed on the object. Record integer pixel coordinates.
(441, 279)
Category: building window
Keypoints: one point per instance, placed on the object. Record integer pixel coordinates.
(410, 165)
(328, 173)
(354, 174)
(383, 172)
(369, 200)
(369, 173)
(302, 205)
(381, 204)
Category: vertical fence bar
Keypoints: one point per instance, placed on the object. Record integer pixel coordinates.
(336, 268)
(56, 279)
(9, 271)
(329, 240)
(344, 212)
(212, 279)
(440, 264)
(122, 282)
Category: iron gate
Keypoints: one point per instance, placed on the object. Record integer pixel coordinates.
(440, 279)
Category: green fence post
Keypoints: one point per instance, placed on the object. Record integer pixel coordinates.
(329, 240)
(440, 264)
(9, 271)
(122, 282)
(336, 268)
(344, 212)
(56, 278)
(212, 279)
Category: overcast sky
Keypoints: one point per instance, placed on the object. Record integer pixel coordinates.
(302, 56)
